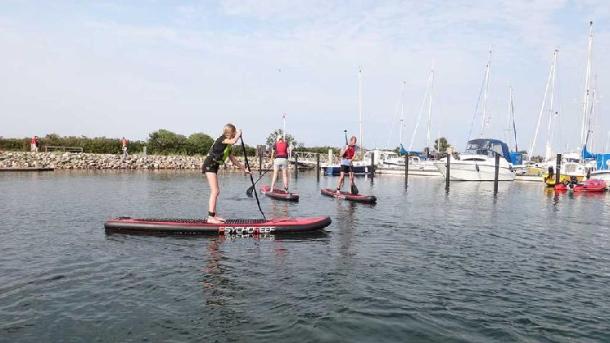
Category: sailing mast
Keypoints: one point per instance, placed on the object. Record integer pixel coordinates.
(552, 112)
(511, 120)
(484, 119)
(427, 99)
(584, 132)
(402, 108)
(360, 112)
(430, 108)
(530, 152)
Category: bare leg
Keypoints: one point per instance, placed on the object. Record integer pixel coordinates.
(340, 183)
(351, 178)
(274, 178)
(285, 177)
(214, 192)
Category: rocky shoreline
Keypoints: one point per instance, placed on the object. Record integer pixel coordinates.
(66, 160)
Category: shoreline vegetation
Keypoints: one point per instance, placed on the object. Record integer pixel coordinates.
(163, 150)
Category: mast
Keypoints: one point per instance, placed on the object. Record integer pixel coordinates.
(402, 108)
(427, 98)
(284, 130)
(530, 152)
(430, 108)
(552, 112)
(360, 111)
(484, 120)
(511, 120)
(584, 132)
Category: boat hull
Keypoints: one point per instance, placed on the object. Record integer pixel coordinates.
(470, 171)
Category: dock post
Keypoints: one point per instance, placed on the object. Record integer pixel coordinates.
(496, 173)
(260, 162)
(318, 167)
(372, 164)
(557, 169)
(296, 165)
(448, 172)
(406, 170)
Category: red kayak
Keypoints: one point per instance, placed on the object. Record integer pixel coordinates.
(202, 227)
(279, 194)
(367, 199)
(585, 186)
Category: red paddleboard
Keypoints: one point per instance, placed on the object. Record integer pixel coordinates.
(368, 199)
(585, 186)
(279, 194)
(202, 227)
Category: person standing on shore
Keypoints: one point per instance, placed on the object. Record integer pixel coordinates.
(279, 154)
(218, 154)
(124, 143)
(34, 144)
(347, 155)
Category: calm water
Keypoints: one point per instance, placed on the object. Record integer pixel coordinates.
(421, 265)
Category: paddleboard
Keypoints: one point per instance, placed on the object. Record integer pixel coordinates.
(368, 199)
(279, 194)
(178, 226)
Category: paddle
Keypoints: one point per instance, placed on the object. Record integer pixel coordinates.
(243, 146)
(354, 188)
(251, 188)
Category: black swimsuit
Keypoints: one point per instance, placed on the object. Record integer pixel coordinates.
(216, 156)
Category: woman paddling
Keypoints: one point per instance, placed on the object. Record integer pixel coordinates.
(347, 155)
(218, 154)
(279, 154)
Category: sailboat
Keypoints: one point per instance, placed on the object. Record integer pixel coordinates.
(477, 162)
(418, 163)
(361, 167)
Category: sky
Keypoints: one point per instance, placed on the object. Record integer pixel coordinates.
(127, 68)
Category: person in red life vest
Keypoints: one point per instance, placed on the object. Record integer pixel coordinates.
(34, 144)
(124, 143)
(347, 155)
(217, 155)
(279, 154)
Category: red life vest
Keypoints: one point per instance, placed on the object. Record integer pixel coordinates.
(281, 149)
(349, 152)
(33, 140)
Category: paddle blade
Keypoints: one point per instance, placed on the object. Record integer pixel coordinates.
(354, 189)
(249, 191)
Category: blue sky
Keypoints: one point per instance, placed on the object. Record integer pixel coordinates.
(128, 68)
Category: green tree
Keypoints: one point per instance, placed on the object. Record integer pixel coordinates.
(289, 138)
(166, 142)
(199, 143)
(441, 145)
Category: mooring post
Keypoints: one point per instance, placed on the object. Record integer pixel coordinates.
(557, 169)
(447, 174)
(296, 165)
(318, 167)
(372, 164)
(406, 170)
(260, 162)
(496, 173)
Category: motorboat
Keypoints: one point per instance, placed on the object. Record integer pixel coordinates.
(477, 162)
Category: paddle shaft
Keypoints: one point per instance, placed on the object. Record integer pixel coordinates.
(243, 146)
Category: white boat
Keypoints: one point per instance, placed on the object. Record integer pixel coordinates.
(477, 163)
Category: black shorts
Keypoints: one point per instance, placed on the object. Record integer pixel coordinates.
(346, 169)
(209, 165)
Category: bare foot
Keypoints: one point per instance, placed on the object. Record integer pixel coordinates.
(215, 220)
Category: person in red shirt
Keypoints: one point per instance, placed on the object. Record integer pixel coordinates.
(347, 155)
(124, 142)
(279, 154)
(34, 144)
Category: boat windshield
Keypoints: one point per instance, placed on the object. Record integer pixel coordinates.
(487, 147)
